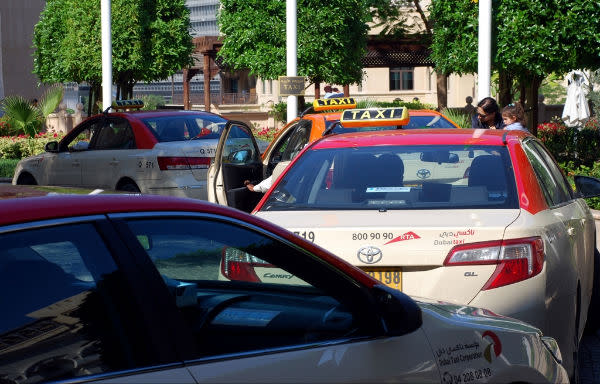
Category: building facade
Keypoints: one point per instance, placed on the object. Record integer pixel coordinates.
(17, 19)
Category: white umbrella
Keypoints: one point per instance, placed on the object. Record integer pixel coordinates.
(576, 111)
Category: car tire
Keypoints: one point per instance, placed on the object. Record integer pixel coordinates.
(26, 179)
(128, 186)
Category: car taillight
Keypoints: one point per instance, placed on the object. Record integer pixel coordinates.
(239, 265)
(183, 163)
(516, 259)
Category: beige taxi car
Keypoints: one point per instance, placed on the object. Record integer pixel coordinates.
(472, 217)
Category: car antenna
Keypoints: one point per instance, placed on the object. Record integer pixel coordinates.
(307, 110)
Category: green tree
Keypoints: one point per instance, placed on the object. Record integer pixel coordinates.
(531, 39)
(150, 41)
(331, 38)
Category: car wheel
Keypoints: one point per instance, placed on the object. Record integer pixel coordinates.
(128, 186)
(26, 179)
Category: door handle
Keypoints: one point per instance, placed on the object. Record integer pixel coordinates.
(114, 162)
(75, 164)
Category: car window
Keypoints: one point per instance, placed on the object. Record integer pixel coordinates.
(115, 134)
(554, 193)
(298, 139)
(235, 289)
(82, 137)
(239, 147)
(63, 306)
(282, 144)
(398, 177)
(185, 127)
(561, 181)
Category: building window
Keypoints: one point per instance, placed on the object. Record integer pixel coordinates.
(401, 78)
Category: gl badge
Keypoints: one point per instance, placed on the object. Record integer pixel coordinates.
(369, 254)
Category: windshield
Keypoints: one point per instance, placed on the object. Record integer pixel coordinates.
(428, 121)
(185, 127)
(398, 177)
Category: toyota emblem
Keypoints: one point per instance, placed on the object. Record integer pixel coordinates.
(423, 173)
(369, 254)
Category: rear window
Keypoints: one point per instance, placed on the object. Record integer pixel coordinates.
(398, 177)
(185, 127)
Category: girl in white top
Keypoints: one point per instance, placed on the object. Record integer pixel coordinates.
(513, 116)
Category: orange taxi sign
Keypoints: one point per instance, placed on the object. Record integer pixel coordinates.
(375, 117)
(334, 103)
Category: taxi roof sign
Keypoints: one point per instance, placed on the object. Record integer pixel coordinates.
(127, 104)
(375, 117)
(334, 103)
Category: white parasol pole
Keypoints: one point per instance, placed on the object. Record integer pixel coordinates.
(291, 55)
(106, 54)
(484, 59)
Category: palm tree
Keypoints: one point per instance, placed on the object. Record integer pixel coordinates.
(25, 117)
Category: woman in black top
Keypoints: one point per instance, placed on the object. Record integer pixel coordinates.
(488, 115)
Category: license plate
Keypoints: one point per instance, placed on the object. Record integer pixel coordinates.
(390, 276)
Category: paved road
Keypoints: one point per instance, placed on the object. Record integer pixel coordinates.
(589, 358)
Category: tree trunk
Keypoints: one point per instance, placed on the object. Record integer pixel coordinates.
(301, 102)
(442, 91)
(346, 90)
(317, 90)
(532, 89)
(96, 91)
(505, 91)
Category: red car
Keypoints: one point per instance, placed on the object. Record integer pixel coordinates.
(127, 289)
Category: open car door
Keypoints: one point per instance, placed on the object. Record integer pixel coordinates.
(237, 159)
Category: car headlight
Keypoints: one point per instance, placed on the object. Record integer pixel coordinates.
(552, 346)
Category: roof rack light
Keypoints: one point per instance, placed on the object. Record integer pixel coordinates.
(334, 103)
(375, 117)
(127, 104)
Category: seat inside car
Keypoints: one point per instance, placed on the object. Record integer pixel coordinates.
(487, 171)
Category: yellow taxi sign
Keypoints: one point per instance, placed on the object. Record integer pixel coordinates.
(375, 117)
(128, 104)
(334, 103)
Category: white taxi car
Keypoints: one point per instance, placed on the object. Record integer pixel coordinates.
(125, 289)
(156, 152)
(473, 217)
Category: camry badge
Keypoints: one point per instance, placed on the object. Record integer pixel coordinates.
(369, 254)
(423, 173)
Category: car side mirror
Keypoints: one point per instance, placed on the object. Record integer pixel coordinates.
(400, 313)
(240, 157)
(587, 186)
(51, 146)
